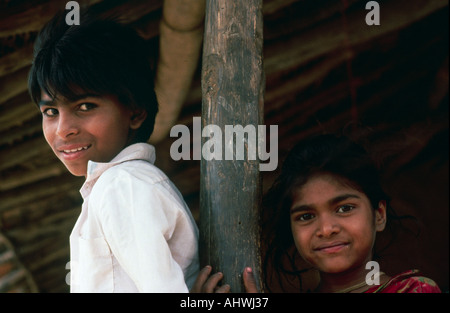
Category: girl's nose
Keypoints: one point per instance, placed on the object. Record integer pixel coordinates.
(327, 227)
(67, 126)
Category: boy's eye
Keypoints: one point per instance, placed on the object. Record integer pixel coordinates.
(50, 112)
(86, 106)
(345, 208)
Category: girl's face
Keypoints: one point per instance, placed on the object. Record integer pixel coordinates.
(93, 128)
(334, 225)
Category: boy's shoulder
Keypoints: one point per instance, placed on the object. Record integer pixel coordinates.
(132, 173)
(135, 162)
(137, 179)
(138, 170)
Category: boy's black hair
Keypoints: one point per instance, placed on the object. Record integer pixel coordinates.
(99, 56)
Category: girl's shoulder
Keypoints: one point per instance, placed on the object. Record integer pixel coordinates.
(407, 282)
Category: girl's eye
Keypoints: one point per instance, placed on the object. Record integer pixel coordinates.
(86, 106)
(304, 217)
(345, 208)
(50, 112)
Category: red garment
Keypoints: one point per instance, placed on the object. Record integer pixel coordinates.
(407, 282)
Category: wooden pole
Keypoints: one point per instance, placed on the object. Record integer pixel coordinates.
(232, 90)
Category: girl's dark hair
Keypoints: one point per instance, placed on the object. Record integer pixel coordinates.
(99, 56)
(323, 154)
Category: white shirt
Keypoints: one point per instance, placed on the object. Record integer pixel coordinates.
(135, 233)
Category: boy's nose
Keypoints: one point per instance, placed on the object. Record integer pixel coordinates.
(67, 126)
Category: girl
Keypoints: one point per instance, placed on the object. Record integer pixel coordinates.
(326, 206)
(329, 205)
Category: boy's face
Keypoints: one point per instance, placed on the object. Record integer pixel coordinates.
(334, 225)
(92, 128)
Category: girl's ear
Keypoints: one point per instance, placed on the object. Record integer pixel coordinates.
(380, 216)
(137, 118)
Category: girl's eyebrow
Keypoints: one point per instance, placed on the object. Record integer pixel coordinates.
(335, 200)
(300, 208)
(342, 198)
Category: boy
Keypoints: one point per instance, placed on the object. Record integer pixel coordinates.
(94, 87)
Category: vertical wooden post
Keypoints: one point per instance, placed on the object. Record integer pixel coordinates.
(232, 87)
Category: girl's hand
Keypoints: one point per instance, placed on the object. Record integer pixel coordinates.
(249, 281)
(208, 284)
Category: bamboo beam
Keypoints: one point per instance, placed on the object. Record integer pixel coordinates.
(13, 180)
(230, 190)
(24, 151)
(39, 190)
(16, 60)
(13, 84)
(29, 129)
(181, 33)
(59, 222)
(17, 111)
(33, 211)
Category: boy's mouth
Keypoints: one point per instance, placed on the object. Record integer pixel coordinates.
(75, 149)
(72, 152)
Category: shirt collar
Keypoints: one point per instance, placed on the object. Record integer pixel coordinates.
(138, 151)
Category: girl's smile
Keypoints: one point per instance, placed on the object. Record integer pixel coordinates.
(333, 247)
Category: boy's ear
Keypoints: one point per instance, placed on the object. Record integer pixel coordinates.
(137, 118)
(380, 216)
